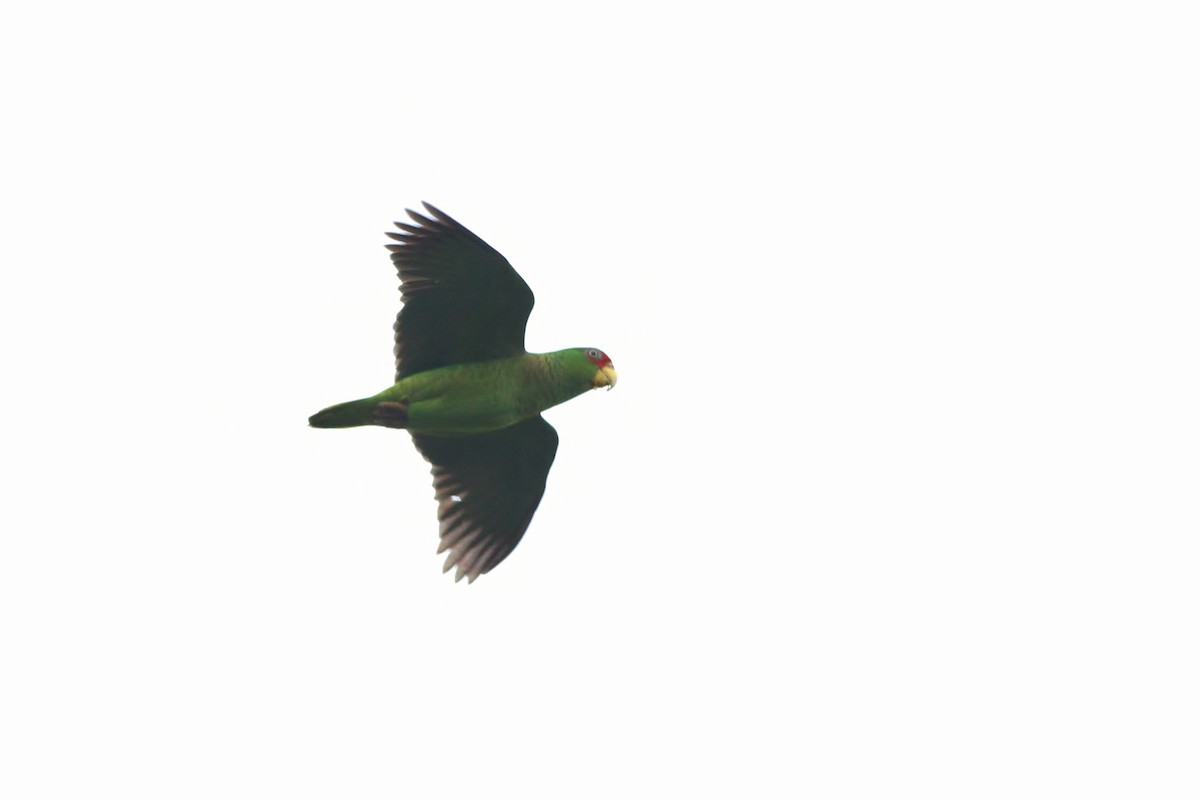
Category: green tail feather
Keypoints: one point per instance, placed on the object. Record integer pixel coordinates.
(345, 415)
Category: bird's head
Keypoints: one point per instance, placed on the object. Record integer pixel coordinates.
(606, 373)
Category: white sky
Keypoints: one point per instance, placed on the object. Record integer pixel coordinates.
(897, 496)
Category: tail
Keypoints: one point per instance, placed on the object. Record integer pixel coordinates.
(362, 412)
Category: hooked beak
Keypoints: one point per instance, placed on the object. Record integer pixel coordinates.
(605, 376)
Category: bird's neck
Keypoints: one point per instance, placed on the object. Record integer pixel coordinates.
(551, 380)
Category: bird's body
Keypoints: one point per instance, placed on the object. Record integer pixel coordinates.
(480, 397)
(467, 390)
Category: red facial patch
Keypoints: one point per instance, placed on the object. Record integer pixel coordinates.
(598, 358)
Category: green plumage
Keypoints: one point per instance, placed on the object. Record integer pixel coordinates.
(473, 398)
(467, 390)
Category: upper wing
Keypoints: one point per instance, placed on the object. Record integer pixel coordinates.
(463, 301)
(488, 486)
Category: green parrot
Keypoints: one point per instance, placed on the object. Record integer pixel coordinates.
(468, 392)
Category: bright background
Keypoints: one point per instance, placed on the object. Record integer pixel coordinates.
(897, 496)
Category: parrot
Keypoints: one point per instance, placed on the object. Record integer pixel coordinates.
(467, 391)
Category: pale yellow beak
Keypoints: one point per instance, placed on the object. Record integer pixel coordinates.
(605, 376)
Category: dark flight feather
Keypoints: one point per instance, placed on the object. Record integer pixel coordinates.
(463, 301)
(499, 479)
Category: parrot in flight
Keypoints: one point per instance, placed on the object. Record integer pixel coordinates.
(468, 392)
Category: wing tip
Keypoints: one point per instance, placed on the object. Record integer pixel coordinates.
(452, 561)
(422, 220)
(436, 212)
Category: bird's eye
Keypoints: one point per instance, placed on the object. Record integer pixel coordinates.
(594, 354)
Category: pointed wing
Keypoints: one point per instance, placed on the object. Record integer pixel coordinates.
(498, 479)
(463, 301)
